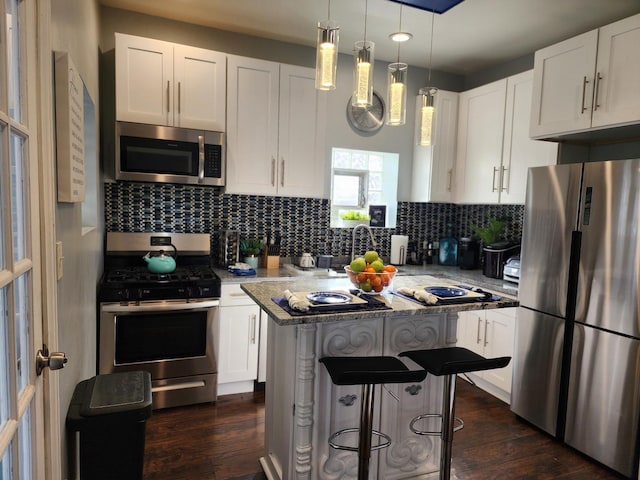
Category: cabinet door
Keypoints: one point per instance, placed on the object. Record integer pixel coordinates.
(144, 79)
(199, 88)
(498, 342)
(480, 131)
(471, 327)
(301, 145)
(238, 347)
(563, 86)
(432, 179)
(252, 125)
(616, 100)
(519, 152)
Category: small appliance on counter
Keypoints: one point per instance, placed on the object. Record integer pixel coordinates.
(413, 256)
(324, 261)
(495, 257)
(511, 272)
(399, 245)
(468, 254)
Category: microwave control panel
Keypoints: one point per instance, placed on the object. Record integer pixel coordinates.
(213, 161)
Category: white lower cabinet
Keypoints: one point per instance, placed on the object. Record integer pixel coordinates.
(490, 333)
(238, 341)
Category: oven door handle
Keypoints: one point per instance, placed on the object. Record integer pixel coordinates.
(161, 307)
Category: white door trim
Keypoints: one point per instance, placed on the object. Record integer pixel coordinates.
(47, 208)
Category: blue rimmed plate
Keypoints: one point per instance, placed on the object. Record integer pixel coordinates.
(446, 292)
(328, 298)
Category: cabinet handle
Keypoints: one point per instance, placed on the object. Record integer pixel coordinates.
(168, 97)
(584, 93)
(238, 294)
(478, 330)
(450, 175)
(503, 182)
(253, 328)
(597, 89)
(282, 172)
(493, 182)
(179, 98)
(485, 333)
(273, 171)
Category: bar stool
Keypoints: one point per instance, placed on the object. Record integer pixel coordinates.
(368, 372)
(448, 362)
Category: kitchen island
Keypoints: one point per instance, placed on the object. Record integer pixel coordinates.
(303, 406)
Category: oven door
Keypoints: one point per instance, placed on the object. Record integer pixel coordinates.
(173, 340)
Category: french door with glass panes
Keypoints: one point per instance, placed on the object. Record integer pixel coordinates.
(21, 398)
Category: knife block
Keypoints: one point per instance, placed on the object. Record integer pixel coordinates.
(271, 257)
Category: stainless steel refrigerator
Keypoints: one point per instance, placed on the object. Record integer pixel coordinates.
(576, 368)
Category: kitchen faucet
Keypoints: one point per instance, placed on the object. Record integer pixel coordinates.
(353, 239)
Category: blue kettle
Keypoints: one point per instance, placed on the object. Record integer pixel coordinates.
(161, 263)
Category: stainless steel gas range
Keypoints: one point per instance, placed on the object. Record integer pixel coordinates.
(163, 323)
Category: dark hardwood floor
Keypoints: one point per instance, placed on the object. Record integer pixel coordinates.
(224, 440)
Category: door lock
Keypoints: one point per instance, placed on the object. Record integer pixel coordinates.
(55, 360)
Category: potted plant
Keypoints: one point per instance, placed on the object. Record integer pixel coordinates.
(250, 249)
(492, 233)
(351, 218)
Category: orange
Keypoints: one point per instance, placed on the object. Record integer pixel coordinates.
(389, 268)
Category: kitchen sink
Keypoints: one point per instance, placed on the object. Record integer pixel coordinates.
(312, 272)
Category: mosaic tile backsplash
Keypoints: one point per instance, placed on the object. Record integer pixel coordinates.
(302, 223)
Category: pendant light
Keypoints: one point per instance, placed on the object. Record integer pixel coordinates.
(327, 53)
(397, 89)
(427, 110)
(363, 69)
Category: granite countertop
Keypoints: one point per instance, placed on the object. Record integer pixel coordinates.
(468, 277)
(262, 293)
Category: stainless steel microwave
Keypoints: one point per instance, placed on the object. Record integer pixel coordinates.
(153, 153)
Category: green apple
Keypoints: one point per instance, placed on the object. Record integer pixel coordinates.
(371, 256)
(377, 265)
(358, 265)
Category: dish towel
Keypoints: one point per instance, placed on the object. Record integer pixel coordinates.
(295, 302)
(426, 297)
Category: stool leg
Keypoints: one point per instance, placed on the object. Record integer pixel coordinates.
(448, 421)
(366, 427)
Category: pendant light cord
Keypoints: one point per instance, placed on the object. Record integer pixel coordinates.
(329, 11)
(365, 19)
(431, 45)
(400, 30)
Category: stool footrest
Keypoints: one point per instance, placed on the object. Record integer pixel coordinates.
(415, 420)
(338, 446)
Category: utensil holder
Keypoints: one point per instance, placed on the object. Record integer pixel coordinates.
(271, 256)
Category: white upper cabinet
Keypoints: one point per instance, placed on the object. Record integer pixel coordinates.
(275, 134)
(588, 82)
(519, 152)
(162, 83)
(432, 178)
(494, 148)
(480, 134)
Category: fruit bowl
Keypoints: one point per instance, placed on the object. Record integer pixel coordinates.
(371, 282)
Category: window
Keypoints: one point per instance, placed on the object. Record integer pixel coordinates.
(361, 179)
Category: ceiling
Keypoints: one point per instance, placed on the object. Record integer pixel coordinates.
(472, 36)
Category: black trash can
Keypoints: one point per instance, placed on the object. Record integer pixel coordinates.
(106, 424)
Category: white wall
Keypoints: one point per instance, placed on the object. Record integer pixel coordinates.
(75, 29)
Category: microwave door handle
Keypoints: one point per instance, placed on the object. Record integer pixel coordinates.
(200, 158)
